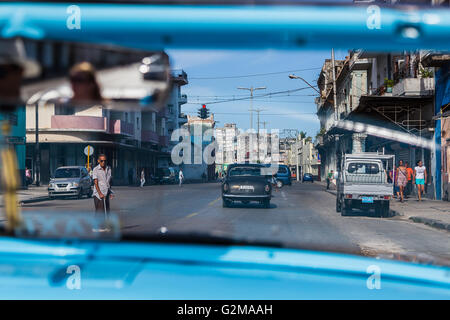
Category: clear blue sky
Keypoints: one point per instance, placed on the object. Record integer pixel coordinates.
(296, 111)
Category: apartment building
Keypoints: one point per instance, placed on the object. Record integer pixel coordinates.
(132, 134)
(201, 133)
(384, 103)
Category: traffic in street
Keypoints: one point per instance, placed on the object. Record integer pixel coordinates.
(302, 216)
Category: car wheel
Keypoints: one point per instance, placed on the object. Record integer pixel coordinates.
(225, 203)
(382, 209)
(90, 193)
(266, 204)
(80, 194)
(338, 205)
(386, 209)
(346, 210)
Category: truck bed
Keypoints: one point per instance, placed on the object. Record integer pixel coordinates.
(368, 189)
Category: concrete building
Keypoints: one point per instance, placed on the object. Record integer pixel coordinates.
(16, 137)
(384, 103)
(131, 135)
(201, 132)
(441, 64)
(226, 139)
(308, 158)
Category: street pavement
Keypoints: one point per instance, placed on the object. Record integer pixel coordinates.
(300, 216)
(434, 213)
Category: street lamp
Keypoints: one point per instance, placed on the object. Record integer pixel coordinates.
(293, 76)
(251, 89)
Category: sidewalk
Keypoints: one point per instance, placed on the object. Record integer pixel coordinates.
(435, 213)
(32, 194)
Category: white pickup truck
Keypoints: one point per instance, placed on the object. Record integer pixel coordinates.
(364, 183)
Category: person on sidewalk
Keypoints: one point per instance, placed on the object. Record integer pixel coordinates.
(410, 174)
(142, 177)
(28, 179)
(401, 179)
(102, 187)
(180, 177)
(420, 178)
(329, 177)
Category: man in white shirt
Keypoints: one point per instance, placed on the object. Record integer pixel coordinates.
(102, 188)
(180, 177)
(420, 178)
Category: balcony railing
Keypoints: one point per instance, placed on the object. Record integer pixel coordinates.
(182, 99)
(149, 136)
(121, 127)
(414, 86)
(81, 123)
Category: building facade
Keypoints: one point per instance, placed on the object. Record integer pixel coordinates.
(134, 136)
(384, 103)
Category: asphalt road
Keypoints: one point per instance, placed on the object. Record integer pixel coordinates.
(301, 216)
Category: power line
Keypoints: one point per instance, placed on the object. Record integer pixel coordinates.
(269, 101)
(256, 96)
(245, 95)
(252, 75)
(266, 114)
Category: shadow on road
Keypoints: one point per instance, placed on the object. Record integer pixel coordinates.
(367, 213)
(251, 205)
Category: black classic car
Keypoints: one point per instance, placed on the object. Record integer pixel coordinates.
(245, 183)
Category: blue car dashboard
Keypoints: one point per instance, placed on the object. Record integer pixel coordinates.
(50, 269)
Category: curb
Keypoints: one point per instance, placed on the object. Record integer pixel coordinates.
(432, 223)
(33, 200)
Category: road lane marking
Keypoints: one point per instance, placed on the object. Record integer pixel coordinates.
(191, 215)
(214, 201)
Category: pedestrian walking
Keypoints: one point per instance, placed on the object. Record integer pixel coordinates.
(142, 178)
(102, 188)
(180, 177)
(420, 178)
(28, 179)
(274, 183)
(402, 178)
(410, 175)
(329, 177)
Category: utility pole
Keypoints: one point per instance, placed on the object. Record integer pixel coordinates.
(257, 132)
(335, 106)
(264, 124)
(296, 153)
(251, 89)
(334, 85)
(37, 151)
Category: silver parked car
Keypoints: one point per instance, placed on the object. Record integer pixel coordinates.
(70, 181)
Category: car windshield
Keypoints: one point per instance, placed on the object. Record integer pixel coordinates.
(282, 170)
(164, 172)
(245, 171)
(67, 173)
(161, 104)
(363, 168)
